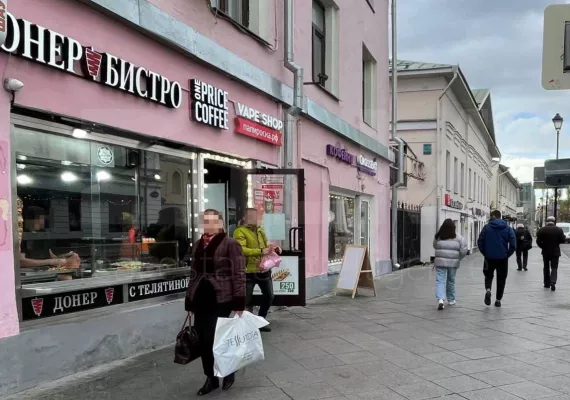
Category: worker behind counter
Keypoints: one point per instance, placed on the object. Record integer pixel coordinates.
(36, 253)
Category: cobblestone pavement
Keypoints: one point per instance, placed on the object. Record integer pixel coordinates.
(393, 347)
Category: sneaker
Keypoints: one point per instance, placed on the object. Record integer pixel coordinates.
(547, 286)
(452, 302)
(265, 329)
(488, 298)
(526, 269)
(553, 287)
(440, 306)
(519, 269)
(498, 303)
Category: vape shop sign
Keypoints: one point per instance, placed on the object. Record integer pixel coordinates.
(449, 202)
(70, 302)
(253, 123)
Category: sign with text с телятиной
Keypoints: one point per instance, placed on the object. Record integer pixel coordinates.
(44, 46)
(162, 287)
(209, 104)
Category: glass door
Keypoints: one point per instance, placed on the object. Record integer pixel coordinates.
(365, 223)
(279, 197)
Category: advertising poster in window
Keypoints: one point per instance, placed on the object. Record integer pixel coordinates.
(268, 194)
(285, 278)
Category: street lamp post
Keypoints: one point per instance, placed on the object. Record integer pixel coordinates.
(557, 121)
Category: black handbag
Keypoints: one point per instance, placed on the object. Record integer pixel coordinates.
(187, 347)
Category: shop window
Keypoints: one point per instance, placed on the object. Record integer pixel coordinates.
(105, 203)
(369, 97)
(341, 226)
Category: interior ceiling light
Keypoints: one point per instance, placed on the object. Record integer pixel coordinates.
(103, 176)
(24, 179)
(68, 177)
(157, 177)
(79, 133)
(66, 162)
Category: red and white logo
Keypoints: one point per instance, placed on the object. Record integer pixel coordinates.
(109, 294)
(38, 306)
(92, 62)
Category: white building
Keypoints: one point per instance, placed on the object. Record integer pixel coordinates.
(450, 129)
(505, 190)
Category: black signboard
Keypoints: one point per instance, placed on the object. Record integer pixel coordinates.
(70, 302)
(162, 287)
(209, 104)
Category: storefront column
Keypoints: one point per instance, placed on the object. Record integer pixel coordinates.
(9, 324)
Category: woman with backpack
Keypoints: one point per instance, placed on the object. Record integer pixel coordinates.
(450, 249)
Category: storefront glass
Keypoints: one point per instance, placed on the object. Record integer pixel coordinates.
(101, 211)
(341, 225)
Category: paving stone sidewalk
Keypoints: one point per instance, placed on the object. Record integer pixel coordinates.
(393, 347)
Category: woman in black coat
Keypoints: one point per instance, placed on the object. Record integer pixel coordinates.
(216, 289)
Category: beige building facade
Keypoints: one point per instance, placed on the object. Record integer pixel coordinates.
(505, 193)
(449, 128)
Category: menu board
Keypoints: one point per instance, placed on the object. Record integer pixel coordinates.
(268, 193)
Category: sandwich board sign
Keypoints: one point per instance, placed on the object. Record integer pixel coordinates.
(356, 271)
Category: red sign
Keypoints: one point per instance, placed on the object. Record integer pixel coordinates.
(447, 199)
(109, 293)
(258, 131)
(92, 62)
(38, 306)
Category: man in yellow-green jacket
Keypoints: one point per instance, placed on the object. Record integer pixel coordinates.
(253, 241)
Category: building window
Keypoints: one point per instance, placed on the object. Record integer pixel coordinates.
(176, 183)
(341, 226)
(447, 171)
(462, 180)
(369, 98)
(237, 10)
(319, 44)
(475, 181)
(470, 188)
(455, 175)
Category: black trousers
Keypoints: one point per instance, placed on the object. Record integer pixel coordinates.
(265, 283)
(206, 315)
(502, 268)
(550, 270)
(524, 262)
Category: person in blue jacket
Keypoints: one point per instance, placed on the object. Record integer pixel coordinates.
(497, 242)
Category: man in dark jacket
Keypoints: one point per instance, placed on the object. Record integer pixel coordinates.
(497, 242)
(549, 239)
(524, 244)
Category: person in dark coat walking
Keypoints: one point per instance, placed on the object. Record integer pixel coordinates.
(524, 244)
(497, 242)
(549, 239)
(215, 290)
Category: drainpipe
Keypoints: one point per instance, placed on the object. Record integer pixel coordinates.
(291, 139)
(439, 142)
(295, 109)
(400, 181)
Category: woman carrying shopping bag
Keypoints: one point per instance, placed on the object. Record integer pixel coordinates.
(450, 249)
(216, 288)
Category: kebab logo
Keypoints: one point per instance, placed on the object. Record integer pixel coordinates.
(38, 306)
(109, 294)
(105, 155)
(92, 62)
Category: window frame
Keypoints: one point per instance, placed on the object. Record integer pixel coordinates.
(355, 233)
(322, 35)
(455, 175)
(223, 6)
(448, 171)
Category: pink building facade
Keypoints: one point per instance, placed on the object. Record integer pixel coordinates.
(133, 110)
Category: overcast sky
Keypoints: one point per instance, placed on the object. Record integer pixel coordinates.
(498, 45)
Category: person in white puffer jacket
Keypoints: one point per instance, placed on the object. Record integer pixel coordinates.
(450, 249)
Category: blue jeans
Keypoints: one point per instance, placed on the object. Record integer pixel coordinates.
(445, 283)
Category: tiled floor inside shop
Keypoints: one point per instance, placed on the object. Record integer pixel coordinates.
(393, 347)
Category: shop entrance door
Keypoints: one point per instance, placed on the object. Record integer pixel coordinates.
(279, 196)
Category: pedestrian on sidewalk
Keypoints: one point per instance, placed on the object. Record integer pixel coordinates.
(549, 239)
(251, 236)
(450, 249)
(524, 244)
(497, 242)
(216, 289)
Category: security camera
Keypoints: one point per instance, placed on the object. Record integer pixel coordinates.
(13, 85)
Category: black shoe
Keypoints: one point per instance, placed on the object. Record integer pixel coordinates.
(228, 382)
(441, 306)
(519, 269)
(526, 269)
(265, 329)
(210, 385)
(553, 287)
(547, 286)
(488, 298)
(498, 303)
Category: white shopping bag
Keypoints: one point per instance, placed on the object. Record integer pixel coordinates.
(237, 343)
